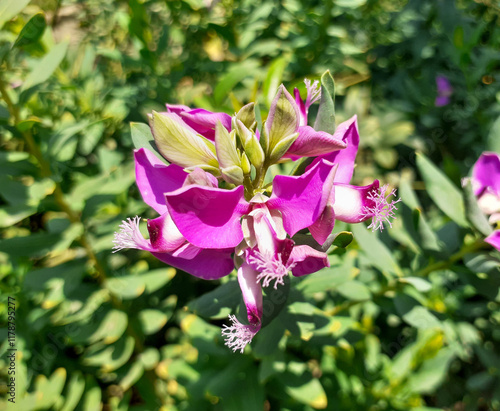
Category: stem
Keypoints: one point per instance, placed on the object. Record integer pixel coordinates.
(74, 218)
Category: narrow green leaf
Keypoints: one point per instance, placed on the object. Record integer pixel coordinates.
(473, 212)
(442, 191)
(274, 78)
(143, 138)
(9, 8)
(32, 31)
(46, 66)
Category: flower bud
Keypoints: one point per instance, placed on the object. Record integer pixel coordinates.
(283, 118)
(232, 175)
(245, 164)
(247, 115)
(180, 144)
(225, 145)
(250, 144)
(282, 147)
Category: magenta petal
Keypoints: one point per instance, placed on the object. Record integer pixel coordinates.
(200, 120)
(352, 202)
(164, 235)
(486, 174)
(311, 143)
(302, 199)
(323, 226)
(348, 133)
(208, 217)
(207, 264)
(494, 239)
(252, 293)
(301, 106)
(154, 179)
(307, 260)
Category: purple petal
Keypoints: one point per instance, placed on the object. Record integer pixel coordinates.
(208, 217)
(302, 199)
(302, 107)
(154, 179)
(252, 293)
(307, 260)
(201, 120)
(494, 239)
(486, 174)
(164, 235)
(352, 202)
(207, 264)
(312, 143)
(443, 85)
(348, 133)
(442, 101)
(323, 226)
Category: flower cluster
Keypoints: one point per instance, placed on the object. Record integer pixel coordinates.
(486, 186)
(217, 213)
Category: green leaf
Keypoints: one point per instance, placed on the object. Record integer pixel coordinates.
(274, 78)
(152, 321)
(376, 251)
(217, 303)
(143, 138)
(46, 66)
(420, 284)
(9, 8)
(32, 31)
(75, 389)
(354, 290)
(126, 287)
(11, 215)
(432, 373)
(237, 73)
(494, 137)
(93, 396)
(325, 120)
(305, 389)
(343, 239)
(473, 212)
(50, 389)
(110, 357)
(442, 191)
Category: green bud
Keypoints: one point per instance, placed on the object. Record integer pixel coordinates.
(233, 175)
(245, 164)
(247, 115)
(282, 147)
(225, 145)
(283, 118)
(179, 145)
(250, 144)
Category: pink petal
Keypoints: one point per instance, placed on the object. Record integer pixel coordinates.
(301, 199)
(348, 133)
(164, 235)
(207, 264)
(351, 202)
(252, 293)
(154, 179)
(307, 260)
(486, 174)
(201, 120)
(208, 217)
(494, 239)
(311, 143)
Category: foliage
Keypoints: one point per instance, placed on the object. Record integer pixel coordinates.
(405, 320)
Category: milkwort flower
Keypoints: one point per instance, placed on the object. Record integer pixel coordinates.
(217, 213)
(486, 187)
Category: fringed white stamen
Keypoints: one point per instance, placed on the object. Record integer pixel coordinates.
(383, 210)
(270, 269)
(130, 236)
(237, 336)
(313, 92)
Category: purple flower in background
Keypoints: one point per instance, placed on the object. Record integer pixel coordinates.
(217, 212)
(486, 186)
(444, 91)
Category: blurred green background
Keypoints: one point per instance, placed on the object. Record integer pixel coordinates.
(407, 320)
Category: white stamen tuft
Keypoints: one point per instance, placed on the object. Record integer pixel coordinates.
(270, 269)
(237, 336)
(130, 236)
(313, 92)
(382, 210)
